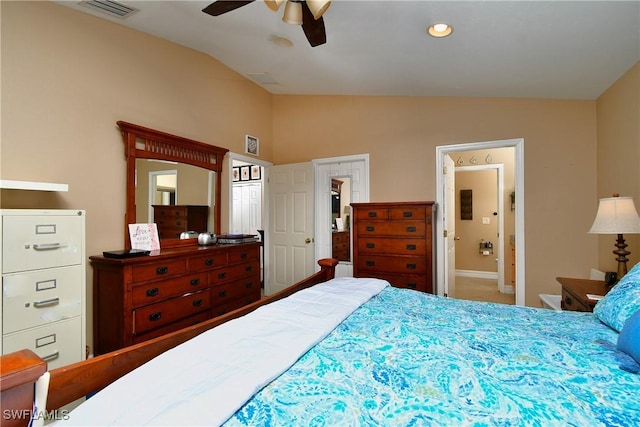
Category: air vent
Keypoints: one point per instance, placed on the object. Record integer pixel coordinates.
(109, 7)
(263, 78)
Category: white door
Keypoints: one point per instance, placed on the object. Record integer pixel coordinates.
(247, 208)
(291, 225)
(449, 223)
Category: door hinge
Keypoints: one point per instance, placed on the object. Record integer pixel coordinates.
(444, 170)
(445, 233)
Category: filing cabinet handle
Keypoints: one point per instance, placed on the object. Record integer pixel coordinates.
(154, 317)
(209, 261)
(373, 214)
(370, 228)
(153, 292)
(195, 282)
(370, 245)
(408, 214)
(370, 263)
(243, 255)
(46, 303)
(411, 229)
(412, 285)
(162, 270)
(47, 246)
(51, 356)
(222, 293)
(222, 275)
(197, 303)
(411, 266)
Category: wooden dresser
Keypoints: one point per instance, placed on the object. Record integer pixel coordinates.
(341, 245)
(173, 220)
(136, 299)
(395, 242)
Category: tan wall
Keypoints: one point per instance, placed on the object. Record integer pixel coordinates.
(618, 111)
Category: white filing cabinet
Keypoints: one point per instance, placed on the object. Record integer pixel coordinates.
(43, 301)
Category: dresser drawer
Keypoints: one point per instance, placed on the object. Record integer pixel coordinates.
(372, 213)
(246, 254)
(168, 212)
(249, 286)
(162, 313)
(392, 264)
(158, 270)
(373, 245)
(397, 229)
(220, 309)
(419, 282)
(182, 323)
(418, 213)
(155, 291)
(208, 261)
(41, 241)
(234, 272)
(58, 343)
(571, 303)
(42, 296)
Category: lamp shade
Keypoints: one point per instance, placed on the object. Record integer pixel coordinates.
(293, 13)
(318, 7)
(616, 215)
(273, 4)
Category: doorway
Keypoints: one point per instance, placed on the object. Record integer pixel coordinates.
(445, 243)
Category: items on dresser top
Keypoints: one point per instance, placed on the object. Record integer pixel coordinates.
(136, 299)
(43, 284)
(395, 241)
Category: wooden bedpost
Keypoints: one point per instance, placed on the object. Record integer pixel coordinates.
(18, 373)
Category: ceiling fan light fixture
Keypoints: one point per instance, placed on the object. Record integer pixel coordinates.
(293, 13)
(440, 30)
(318, 7)
(273, 4)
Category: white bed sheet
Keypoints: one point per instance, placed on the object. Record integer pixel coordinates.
(207, 379)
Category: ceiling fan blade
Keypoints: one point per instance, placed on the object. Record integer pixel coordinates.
(313, 28)
(223, 6)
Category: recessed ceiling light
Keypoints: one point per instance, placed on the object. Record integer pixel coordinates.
(440, 30)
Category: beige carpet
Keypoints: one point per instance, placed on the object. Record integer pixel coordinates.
(474, 289)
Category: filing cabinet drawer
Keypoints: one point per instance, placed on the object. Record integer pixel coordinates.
(58, 343)
(41, 241)
(155, 291)
(43, 296)
(162, 313)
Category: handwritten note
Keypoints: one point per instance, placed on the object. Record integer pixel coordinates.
(144, 236)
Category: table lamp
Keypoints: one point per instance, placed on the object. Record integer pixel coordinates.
(617, 215)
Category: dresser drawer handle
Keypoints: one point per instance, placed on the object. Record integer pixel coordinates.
(197, 303)
(195, 282)
(153, 292)
(51, 356)
(47, 246)
(408, 214)
(568, 301)
(222, 275)
(373, 214)
(411, 247)
(370, 245)
(411, 285)
(47, 302)
(178, 222)
(154, 317)
(243, 255)
(222, 293)
(411, 229)
(209, 261)
(370, 228)
(162, 270)
(411, 266)
(248, 285)
(248, 268)
(370, 263)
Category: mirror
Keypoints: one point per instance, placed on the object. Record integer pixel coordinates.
(197, 192)
(340, 218)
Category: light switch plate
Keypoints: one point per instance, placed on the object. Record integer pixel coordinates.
(486, 220)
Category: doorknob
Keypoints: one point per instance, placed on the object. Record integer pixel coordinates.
(307, 240)
(456, 238)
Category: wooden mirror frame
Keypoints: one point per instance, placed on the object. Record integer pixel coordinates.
(145, 143)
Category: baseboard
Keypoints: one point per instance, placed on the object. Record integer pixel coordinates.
(478, 274)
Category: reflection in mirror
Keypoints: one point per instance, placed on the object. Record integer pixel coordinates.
(340, 219)
(189, 189)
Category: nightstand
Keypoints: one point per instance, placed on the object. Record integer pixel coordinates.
(574, 293)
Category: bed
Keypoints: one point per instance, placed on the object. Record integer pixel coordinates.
(360, 352)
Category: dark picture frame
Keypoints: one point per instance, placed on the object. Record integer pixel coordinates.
(244, 173)
(235, 174)
(466, 204)
(251, 145)
(255, 172)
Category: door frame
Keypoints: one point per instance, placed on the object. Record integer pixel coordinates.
(441, 151)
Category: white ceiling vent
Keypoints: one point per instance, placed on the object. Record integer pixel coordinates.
(263, 78)
(109, 7)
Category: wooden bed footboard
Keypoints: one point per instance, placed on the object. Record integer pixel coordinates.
(20, 370)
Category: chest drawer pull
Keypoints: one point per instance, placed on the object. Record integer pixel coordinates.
(411, 247)
(162, 270)
(373, 214)
(411, 229)
(51, 356)
(154, 317)
(370, 245)
(209, 261)
(567, 300)
(195, 282)
(46, 303)
(243, 255)
(370, 263)
(248, 268)
(178, 222)
(153, 292)
(411, 266)
(47, 246)
(370, 228)
(222, 275)
(222, 293)
(248, 285)
(411, 285)
(197, 303)
(408, 214)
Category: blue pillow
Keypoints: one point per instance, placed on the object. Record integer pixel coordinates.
(629, 338)
(621, 302)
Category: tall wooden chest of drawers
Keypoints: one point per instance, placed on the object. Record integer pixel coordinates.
(395, 241)
(44, 284)
(341, 245)
(173, 220)
(137, 299)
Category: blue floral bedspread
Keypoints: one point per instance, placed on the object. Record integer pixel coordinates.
(407, 358)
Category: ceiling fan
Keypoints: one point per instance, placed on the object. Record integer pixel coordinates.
(307, 13)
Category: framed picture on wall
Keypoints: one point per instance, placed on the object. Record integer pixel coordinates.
(235, 174)
(251, 145)
(244, 173)
(255, 172)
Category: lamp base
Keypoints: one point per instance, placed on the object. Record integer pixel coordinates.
(621, 253)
